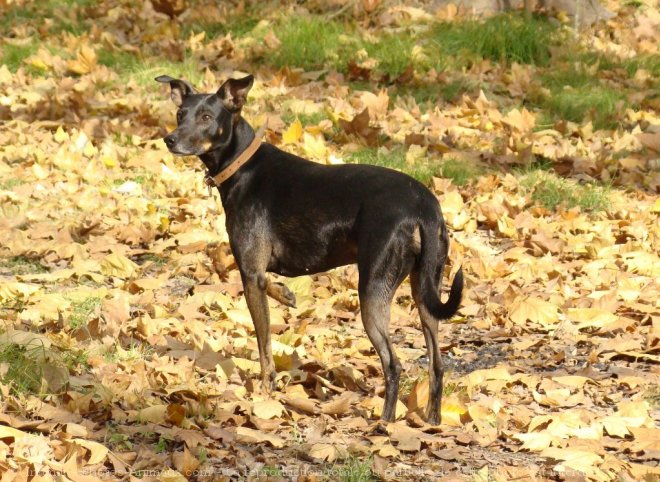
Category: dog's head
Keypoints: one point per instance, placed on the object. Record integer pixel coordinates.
(205, 122)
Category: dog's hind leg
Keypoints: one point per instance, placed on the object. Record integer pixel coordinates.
(436, 370)
(383, 263)
(425, 282)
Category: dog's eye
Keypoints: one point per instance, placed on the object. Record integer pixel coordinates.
(206, 118)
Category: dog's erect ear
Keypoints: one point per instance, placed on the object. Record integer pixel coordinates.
(180, 88)
(233, 93)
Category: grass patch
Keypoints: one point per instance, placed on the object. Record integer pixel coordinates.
(576, 75)
(650, 62)
(152, 258)
(237, 26)
(652, 395)
(21, 367)
(136, 351)
(14, 55)
(553, 192)
(396, 159)
(305, 119)
(429, 94)
(82, 311)
(460, 172)
(65, 15)
(424, 94)
(354, 469)
(20, 265)
(307, 42)
(451, 388)
(76, 360)
(131, 67)
(456, 88)
(8, 184)
(599, 104)
(407, 382)
(503, 38)
(577, 94)
(393, 52)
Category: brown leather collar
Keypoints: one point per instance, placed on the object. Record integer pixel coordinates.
(243, 157)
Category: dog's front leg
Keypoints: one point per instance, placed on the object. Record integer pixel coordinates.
(254, 285)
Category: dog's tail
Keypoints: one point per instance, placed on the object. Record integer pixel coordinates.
(429, 275)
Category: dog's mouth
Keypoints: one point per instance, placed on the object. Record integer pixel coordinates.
(178, 150)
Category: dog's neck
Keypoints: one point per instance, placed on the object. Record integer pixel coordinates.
(218, 159)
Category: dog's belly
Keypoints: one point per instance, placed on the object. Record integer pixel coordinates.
(296, 253)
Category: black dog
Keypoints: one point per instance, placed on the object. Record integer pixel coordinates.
(294, 217)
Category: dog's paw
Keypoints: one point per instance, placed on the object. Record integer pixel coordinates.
(281, 293)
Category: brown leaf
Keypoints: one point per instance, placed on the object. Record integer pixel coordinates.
(175, 413)
(305, 405)
(185, 462)
(359, 126)
(171, 8)
(356, 72)
(248, 435)
(339, 405)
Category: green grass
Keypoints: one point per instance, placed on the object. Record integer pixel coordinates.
(14, 55)
(305, 119)
(650, 62)
(22, 367)
(429, 94)
(313, 42)
(450, 388)
(554, 192)
(503, 38)
(652, 395)
(20, 265)
(573, 74)
(599, 104)
(395, 159)
(307, 42)
(393, 52)
(66, 15)
(82, 311)
(460, 172)
(237, 26)
(143, 71)
(136, 351)
(407, 382)
(424, 94)
(75, 360)
(577, 95)
(354, 469)
(10, 183)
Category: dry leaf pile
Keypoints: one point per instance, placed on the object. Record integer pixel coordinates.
(120, 294)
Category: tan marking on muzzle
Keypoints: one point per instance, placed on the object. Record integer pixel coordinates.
(206, 145)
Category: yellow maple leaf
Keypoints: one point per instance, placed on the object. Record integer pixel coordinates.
(118, 265)
(314, 146)
(454, 412)
(533, 309)
(84, 62)
(293, 133)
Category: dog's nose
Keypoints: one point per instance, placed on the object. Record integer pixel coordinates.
(170, 141)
